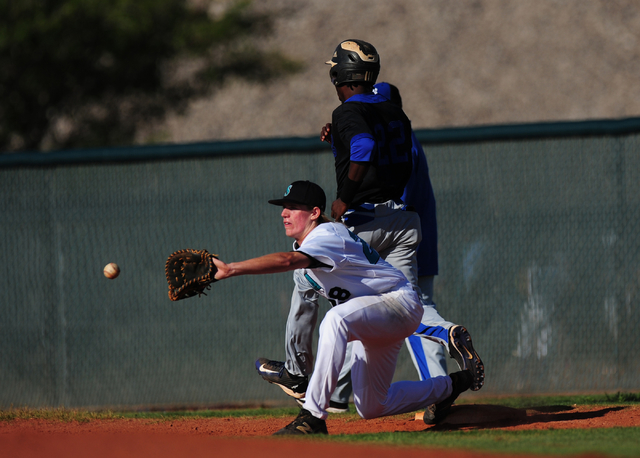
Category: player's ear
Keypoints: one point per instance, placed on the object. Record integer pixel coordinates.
(316, 213)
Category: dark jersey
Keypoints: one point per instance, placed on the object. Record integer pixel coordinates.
(369, 129)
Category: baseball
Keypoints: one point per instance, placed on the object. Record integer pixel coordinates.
(111, 270)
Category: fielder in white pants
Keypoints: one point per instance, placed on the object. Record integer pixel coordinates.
(395, 234)
(374, 306)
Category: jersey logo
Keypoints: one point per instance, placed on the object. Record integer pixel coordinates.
(372, 255)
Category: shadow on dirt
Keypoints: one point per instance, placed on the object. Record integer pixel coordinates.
(490, 416)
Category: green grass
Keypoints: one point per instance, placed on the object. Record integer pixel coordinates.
(208, 413)
(533, 401)
(67, 415)
(58, 414)
(613, 442)
(605, 441)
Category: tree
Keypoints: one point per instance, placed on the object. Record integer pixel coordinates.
(82, 73)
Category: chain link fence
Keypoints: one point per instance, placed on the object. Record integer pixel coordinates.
(538, 258)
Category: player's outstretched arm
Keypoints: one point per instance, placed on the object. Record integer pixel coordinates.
(268, 264)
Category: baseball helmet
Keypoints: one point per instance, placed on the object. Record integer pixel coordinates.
(354, 61)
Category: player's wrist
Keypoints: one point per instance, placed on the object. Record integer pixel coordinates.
(349, 190)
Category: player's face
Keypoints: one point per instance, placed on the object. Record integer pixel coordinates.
(297, 221)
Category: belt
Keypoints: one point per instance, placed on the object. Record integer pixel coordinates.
(362, 214)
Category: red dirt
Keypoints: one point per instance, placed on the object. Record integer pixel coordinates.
(245, 436)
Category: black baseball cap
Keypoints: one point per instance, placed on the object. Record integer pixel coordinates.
(303, 193)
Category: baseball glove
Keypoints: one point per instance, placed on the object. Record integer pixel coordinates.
(189, 272)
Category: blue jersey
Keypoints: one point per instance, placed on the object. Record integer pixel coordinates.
(419, 195)
(369, 129)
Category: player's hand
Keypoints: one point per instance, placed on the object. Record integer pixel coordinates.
(223, 269)
(338, 208)
(325, 133)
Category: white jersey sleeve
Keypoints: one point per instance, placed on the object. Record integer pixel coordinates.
(353, 269)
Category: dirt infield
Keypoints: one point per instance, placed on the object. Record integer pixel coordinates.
(245, 436)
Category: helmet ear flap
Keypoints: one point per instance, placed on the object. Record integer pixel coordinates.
(333, 74)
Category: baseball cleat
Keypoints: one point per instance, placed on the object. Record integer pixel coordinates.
(275, 372)
(460, 382)
(461, 349)
(429, 416)
(304, 424)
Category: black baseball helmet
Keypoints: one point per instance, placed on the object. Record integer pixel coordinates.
(354, 61)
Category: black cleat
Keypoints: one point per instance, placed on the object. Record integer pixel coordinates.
(304, 424)
(460, 382)
(275, 372)
(461, 349)
(429, 416)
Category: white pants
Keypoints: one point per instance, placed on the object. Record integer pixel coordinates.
(396, 234)
(377, 326)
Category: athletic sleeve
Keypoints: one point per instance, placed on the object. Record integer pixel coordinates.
(362, 148)
(355, 132)
(325, 247)
(314, 264)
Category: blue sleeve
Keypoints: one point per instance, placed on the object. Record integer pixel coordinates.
(362, 146)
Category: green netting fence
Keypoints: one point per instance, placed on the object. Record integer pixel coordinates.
(539, 258)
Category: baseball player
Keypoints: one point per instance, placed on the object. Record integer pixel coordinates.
(371, 142)
(374, 307)
(428, 357)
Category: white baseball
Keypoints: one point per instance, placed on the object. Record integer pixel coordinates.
(111, 270)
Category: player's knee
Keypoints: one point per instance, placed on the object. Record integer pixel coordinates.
(333, 323)
(369, 412)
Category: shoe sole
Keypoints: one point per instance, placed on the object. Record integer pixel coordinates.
(301, 430)
(300, 402)
(336, 410)
(461, 349)
(429, 417)
(286, 389)
(289, 391)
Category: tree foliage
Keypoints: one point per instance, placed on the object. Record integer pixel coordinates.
(82, 73)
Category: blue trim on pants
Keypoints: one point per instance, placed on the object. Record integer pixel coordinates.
(421, 360)
(434, 331)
